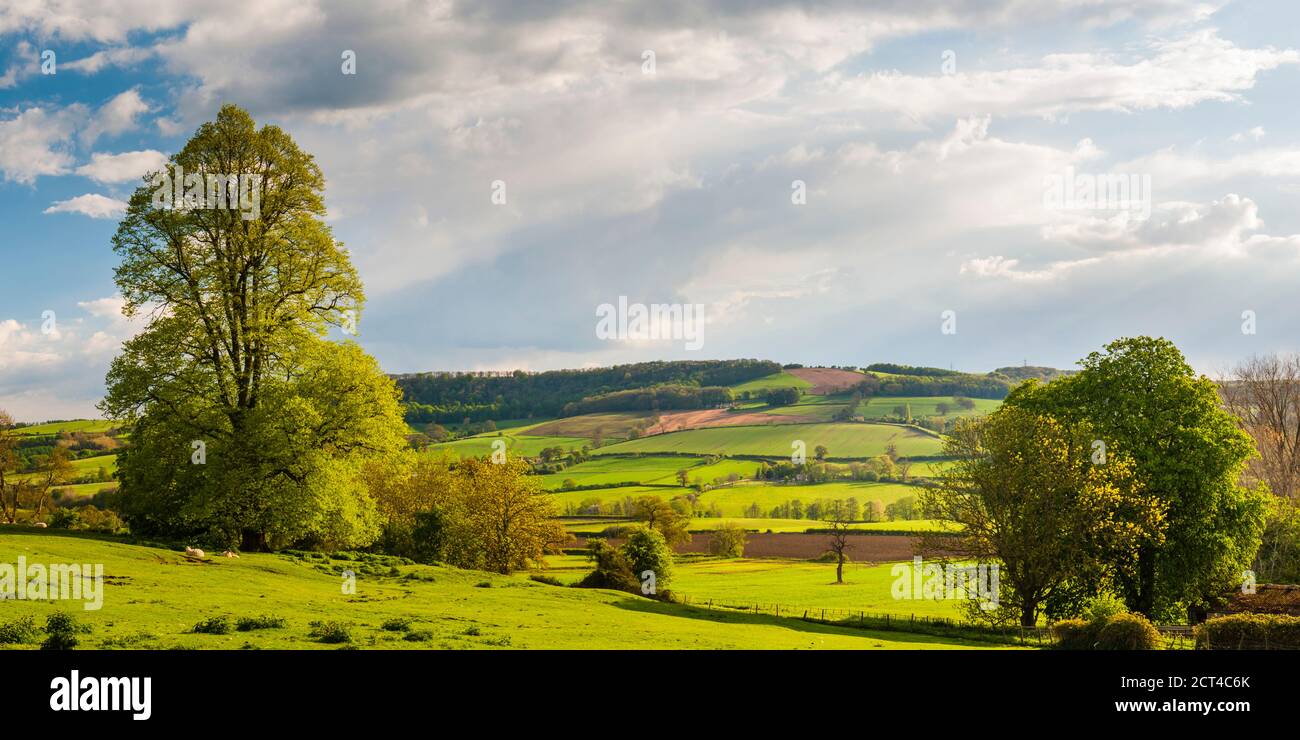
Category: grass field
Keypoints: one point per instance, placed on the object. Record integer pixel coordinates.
(818, 411)
(767, 382)
(793, 583)
(78, 425)
(611, 426)
(156, 596)
(842, 440)
(879, 407)
(759, 524)
(735, 499)
(516, 444)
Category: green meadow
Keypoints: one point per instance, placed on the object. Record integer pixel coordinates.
(767, 382)
(155, 597)
(841, 440)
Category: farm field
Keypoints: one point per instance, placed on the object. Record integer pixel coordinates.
(83, 466)
(882, 406)
(794, 583)
(842, 440)
(767, 382)
(813, 411)
(754, 524)
(516, 444)
(611, 425)
(77, 425)
(735, 499)
(157, 596)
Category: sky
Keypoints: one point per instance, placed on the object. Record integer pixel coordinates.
(833, 183)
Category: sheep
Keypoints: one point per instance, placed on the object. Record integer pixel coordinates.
(40, 524)
(230, 554)
(195, 552)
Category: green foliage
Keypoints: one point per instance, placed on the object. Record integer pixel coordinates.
(397, 624)
(329, 631)
(218, 625)
(19, 631)
(235, 357)
(1074, 634)
(61, 630)
(647, 550)
(613, 569)
(263, 622)
(1141, 398)
(1128, 632)
(453, 397)
(663, 397)
(1249, 632)
(727, 541)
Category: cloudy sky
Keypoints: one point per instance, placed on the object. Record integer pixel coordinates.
(926, 135)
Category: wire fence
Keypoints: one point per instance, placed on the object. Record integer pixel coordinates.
(1176, 636)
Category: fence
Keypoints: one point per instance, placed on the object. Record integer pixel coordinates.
(1176, 636)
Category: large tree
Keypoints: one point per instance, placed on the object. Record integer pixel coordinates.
(249, 424)
(1140, 396)
(1029, 495)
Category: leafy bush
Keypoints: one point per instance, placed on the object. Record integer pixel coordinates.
(330, 632)
(647, 550)
(213, 626)
(19, 631)
(61, 630)
(1074, 634)
(264, 622)
(397, 624)
(1249, 632)
(63, 519)
(728, 541)
(418, 636)
(612, 571)
(1103, 608)
(1128, 632)
(548, 580)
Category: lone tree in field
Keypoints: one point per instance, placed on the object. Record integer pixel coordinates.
(1139, 395)
(839, 545)
(249, 425)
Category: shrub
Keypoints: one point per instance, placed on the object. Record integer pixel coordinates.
(330, 632)
(418, 636)
(264, 622)
(63, 519)
(612, 571)
(728, 541)
(647, 550)
(548, 580)
(19, 631)
(61, 630)
(1074, 634)
(212, 626)
(1102, 608)
(397, 624)
(1128, 632)
(1249, 632)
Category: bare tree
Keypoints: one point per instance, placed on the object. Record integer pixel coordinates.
(840, 545)
(1264, 394)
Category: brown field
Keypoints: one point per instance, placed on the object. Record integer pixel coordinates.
(611, 425)
(677, 421)
(825, 380)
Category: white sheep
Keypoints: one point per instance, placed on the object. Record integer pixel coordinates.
(230, 554)
(195, 552)
(40, 524)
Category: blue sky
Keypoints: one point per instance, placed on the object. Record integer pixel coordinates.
(925, 183)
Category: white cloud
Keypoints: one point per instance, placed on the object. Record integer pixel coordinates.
(124, 167)
(35, 142)
(90, 204)
(116, 116)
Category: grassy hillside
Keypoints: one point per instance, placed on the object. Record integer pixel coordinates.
(156, 596)
(516, 444)
(842, 440)
(78, 425)
(775, 380)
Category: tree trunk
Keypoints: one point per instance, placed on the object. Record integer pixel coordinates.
(1027, 616)
(839, 570)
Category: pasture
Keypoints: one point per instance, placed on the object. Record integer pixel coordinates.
(154, 597)
(841, 440)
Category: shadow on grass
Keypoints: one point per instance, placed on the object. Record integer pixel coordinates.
(720, 616)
